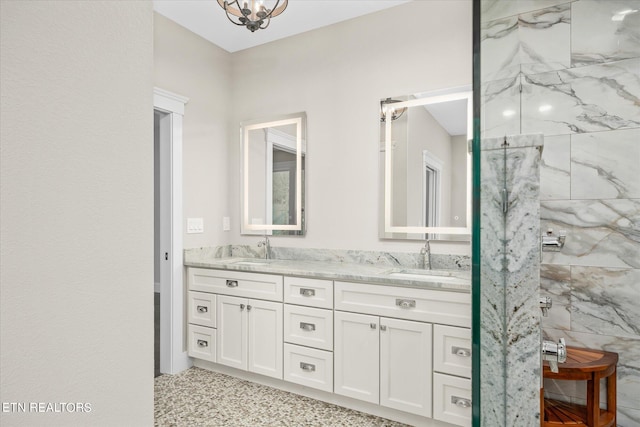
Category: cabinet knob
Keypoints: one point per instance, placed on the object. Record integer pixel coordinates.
(202, 343)
(383, 328)
(249, 307)
(373, 325)
(242, 306)
(405, 303)
(232, 283)
(307, 326)
(308, 367)
(460, 351)
(461, 402)
(305, 292)
(202, 309)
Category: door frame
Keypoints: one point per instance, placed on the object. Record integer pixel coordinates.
(173, 350)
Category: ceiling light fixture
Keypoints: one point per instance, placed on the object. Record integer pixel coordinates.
(253, 14)
(386, 107)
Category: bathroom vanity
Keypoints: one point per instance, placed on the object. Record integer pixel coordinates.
(392, 342)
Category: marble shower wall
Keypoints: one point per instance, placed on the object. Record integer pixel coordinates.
(571, 71)
(510, 275)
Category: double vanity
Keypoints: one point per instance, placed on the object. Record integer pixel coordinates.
(392, 342)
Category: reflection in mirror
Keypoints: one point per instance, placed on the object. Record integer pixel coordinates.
(273, 163)
(425, 165)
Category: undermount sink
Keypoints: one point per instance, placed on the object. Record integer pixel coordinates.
(425, 277)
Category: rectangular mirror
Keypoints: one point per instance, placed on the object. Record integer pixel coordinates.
(273, 163)
(426, 165)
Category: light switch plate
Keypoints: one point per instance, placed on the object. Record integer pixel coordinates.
(195, 225)
(226, 223)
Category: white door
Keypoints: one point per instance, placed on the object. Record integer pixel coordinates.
(265, 338)
(356, 353)
(231, 318)
(405, 365)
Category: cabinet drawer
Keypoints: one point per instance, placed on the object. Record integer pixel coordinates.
(202, 342)
(202, 309)
(425, 305)
(308, 326)
(236, 283)
(309, 367)
(452, 399)
(310, 292)
(452, 350)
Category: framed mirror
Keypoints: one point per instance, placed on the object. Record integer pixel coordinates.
(273, 185)
(425, 165)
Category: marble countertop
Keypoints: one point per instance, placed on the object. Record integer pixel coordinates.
(458, 281)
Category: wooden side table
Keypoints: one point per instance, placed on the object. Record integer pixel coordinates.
(592, 366)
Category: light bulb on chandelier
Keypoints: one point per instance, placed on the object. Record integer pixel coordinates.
(253, 14)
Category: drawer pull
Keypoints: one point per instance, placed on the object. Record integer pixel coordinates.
(373, 325)
(461, 402)
(202, 343)
(307, 367)
(460, 351)
(307, 326)
(202, 309)
(232, 283)
(383, 328)
(306, 292)
(405, 303)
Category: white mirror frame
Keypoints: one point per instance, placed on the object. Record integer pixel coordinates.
(388, 167)
(292, 119)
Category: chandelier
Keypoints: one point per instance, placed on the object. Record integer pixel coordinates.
(253, 14)
(387, 108)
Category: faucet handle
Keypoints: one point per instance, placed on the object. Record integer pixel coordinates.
(554, 353)
(545, 305)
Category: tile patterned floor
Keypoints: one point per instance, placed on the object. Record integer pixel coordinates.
(198, 397)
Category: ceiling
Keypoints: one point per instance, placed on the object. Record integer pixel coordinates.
(207, 19)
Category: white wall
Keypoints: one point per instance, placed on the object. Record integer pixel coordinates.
(188, 65)
(76, 315)
(338, 75)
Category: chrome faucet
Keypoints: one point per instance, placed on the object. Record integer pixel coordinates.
(426, 255)
(267, 247)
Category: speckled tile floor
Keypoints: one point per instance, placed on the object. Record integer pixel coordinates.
(198, 397)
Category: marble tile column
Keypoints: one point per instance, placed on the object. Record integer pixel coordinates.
(510, 280)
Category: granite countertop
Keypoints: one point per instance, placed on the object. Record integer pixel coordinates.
(446, 280)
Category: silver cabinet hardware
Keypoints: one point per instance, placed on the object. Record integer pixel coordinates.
(383, 328)
(241, 306)
(405, 303)
(553, 243)
(249, 307)
(461, 402)
(202, 343)
(232, 283)
(307, 326)
(554, 353)
(307, 367)
(373, 325)
(306, 292)
(202, 309)
(545, 305)
(461, 351)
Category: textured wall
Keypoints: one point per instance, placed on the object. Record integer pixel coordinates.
(570, 70)
(76, 215)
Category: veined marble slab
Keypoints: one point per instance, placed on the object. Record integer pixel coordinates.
(555, 282)
(605, 301)
(495, 9)
(528, 43)
(599, 33)
(555, 168)
(500, 108)
(601, 233)
(605, 165)
(510, 269)
(586, 99)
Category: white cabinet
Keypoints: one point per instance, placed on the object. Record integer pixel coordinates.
(249, 335)
(383, 360)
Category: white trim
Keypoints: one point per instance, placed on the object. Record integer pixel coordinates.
(173, 354)
(156, 287)
(429, 161)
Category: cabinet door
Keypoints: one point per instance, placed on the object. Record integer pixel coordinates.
(265, 338)
(405, 365)
(231, 318)
(356, 353)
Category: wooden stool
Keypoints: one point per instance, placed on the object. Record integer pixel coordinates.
(592, 366)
